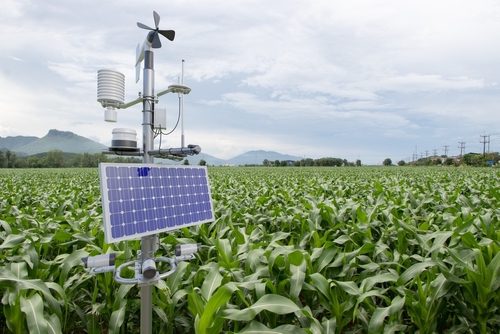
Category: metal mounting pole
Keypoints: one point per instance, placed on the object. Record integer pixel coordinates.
(181, 105)
(148, 243)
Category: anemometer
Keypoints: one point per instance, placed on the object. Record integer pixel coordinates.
(142, 200)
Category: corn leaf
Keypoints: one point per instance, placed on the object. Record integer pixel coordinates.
(8, 277)
(329, 326)
(414, 270)
(218, 300)
(5, 226)
(298, 275)
(272, 303)
(368, 283)
(211, 283)
(174, 281)
(378, 317)
(33, 308)
(350, 287)
(256, 327)
(19, 269)
(54, 325)
(71, 261)
(321, 284)
(117, 317)
(12, 240)
(494, 270)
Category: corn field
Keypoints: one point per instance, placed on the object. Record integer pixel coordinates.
(292, 250)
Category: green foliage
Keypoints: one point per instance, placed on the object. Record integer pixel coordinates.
(58, 159)
(321, 162)
(469, 159)
(479, 160)
(8, 159)
(448, 162)
(292, 250)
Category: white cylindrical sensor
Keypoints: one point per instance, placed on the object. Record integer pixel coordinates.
(186, 249)
(103, 260)
(110, 114)
(110, 88)
(149, 268)
(124, 138)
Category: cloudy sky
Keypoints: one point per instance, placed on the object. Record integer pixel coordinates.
(357, 79)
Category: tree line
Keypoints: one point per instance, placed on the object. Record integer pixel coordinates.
(323, 162)
(58, 159)
(469, 159)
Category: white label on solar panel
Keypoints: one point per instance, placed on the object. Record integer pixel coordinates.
(145, 199)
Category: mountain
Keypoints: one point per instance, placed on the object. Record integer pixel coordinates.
(247, 158)
(257, 157)
(211, 160)
(70, 142)
(65, 141)
(12, 143)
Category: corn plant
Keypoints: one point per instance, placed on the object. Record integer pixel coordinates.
(292, 250)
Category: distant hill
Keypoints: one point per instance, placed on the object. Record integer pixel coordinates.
(211, 160)
(12, 143)
(65, 141)
(247, 158)
(257, 157)
(70, 142)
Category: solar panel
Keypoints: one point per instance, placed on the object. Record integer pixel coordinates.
(145, 199)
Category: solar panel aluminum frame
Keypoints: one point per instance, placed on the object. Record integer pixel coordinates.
(144, 171)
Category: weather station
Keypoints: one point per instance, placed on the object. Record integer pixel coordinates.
(141, 200)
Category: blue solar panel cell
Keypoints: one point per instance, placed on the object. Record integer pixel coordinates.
(144, 199)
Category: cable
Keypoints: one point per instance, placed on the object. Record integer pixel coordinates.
(159, 146)
(176, 124)
(160, 132)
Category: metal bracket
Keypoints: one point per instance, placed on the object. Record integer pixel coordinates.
(99, 268)
(180, 152)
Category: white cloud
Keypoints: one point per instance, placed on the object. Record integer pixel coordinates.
(413, 82)
(12, 9)
(381, 69)
(16, 58)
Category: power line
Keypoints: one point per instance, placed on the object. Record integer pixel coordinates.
(446, 149)
(461, 147)
(484, 142)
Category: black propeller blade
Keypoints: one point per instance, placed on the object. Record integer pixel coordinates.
(153, 37)
(169, 34)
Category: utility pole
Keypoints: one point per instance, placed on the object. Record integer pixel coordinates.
(435, 152)
(446, 149)
(484, 142)
(426, 153)
(461, 147)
